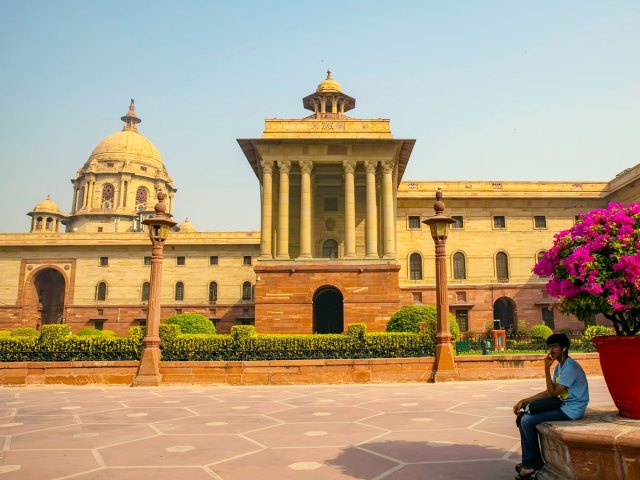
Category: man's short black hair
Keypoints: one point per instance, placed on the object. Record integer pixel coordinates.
(559, 338)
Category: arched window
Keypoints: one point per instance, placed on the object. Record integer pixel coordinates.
(101, 291)
(213, 292)
(330, 249)
(246, 291)
(39, 223)
(539, 256)
(179, 291)
(145, 292)
(459, 266)
(49, 223)
(415, 266)
(502, 266)
(142, 196)
(107, 195)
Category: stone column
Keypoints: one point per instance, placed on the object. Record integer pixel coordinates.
(92, 193)
(74, 203)
(387, 206)
(371, 219)
(349, 209)
(283, 208)
(171, 196)
(305, 208)
(267, 209)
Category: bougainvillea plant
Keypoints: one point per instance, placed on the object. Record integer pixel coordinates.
(595, 266)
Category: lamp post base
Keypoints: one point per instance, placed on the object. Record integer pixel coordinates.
(149, 370)
(444, 368)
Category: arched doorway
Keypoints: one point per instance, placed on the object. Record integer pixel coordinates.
(49, 285)
(328, 314)
(504, 309)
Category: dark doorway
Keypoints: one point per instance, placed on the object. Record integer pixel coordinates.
(504, 310)
(49, 285)
(328, 315)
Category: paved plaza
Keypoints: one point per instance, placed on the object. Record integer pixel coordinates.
(329, 432)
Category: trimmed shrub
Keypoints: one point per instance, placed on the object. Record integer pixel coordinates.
(89, 332)
(357, 331)
(109, 333)
(19, 348)
(5, 333)
(540, 332)
(242, 333)
(25, 332)
(407, 319)
(192, 323)
(596, 331)
(168, 332)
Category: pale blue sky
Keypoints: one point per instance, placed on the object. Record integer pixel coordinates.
(491, 90)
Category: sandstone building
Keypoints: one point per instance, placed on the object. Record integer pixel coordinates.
(341, 238)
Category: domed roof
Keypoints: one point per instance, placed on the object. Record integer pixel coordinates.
(186, 226)
(128, 145)
(47, 206)
(329, 85)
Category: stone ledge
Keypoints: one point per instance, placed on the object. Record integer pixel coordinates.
(602, 445)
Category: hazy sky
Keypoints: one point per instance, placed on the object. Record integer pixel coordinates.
(491, 90)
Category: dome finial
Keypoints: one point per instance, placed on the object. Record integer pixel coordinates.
(131, 120)
(328, 74)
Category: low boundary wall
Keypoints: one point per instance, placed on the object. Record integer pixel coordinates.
(284, 372)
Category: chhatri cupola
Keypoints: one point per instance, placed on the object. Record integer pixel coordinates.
(116, 187)
(328, 101)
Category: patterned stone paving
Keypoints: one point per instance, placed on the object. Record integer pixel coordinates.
(329, 432)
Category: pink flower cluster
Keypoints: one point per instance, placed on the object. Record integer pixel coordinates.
(597, 261)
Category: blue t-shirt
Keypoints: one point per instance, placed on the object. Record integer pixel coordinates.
(571, 376)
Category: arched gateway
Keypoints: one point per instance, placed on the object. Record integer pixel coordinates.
(504, 309)
(328, 312)
(50, 286)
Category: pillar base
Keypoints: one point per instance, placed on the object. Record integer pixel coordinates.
(148, 374)
(283, 257)
(444, 367)
(147, 381)
(305, 256)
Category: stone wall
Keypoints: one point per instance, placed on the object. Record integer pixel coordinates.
(284, 372)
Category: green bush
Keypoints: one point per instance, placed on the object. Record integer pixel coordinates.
(407, 319)
(242, 333)
(595, 331)
(192, 323)
(89, 332)
(25, 332)
(19, 348)
(5, 333)
(540, 332)
(357, 330)
(109, 333)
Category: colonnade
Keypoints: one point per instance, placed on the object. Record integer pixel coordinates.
(371, 212)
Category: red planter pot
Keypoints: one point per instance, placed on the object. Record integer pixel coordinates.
(620, 362)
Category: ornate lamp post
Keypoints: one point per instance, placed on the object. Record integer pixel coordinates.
(149, 369)
(444, 366)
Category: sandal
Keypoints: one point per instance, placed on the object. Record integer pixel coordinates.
(518, 467)
(525, 473)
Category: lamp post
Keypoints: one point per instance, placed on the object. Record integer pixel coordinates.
(444, 367)
(148, 374)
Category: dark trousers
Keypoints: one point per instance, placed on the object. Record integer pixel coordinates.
(531, 456)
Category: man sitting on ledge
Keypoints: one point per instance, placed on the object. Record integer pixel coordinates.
(565, 398)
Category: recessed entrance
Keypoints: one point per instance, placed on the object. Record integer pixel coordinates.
(49, 285)
(504, 309)
(328, 311)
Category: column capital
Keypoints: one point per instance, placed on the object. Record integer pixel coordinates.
(267, 166)
(349, 165)
(371, 165)
(306, 166)
(284, 165)
(387, 166)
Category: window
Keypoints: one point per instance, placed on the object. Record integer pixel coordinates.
(415, 266)
(101, 291)
(330, 204)
(461, 297)
(462, 317)
(142, 195)
(417, 298)
(145, 292)
(547, 317)
(147, 260)
(98, 324)
(539, 256)
(458, 221)
(107, 195)
(213, 260)
(459, 266)
(100, 229)
(143, 169)
(246, 260)
(246, 291)
(100, 312)
(213, 292)
(142, 322)
(540, 221)
(577, 218)
(180, 260)
(330, 249)
(414, 222)
(179, 296)
(104, 261)
(502, 267)
(499, 221)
